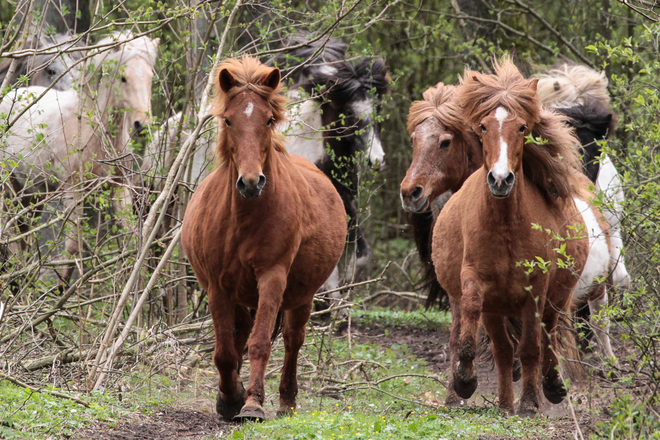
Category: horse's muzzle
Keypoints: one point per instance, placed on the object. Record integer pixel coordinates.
(501, 188)
(250, 188)
(414, 200)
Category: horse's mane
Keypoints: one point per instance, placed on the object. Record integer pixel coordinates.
(437, 102)
(249, 74)
(568, 86)
(552, 163)
(593, 115)
(330, 70)
(27, 63)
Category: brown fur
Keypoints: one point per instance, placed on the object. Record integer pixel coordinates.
(484, 240)
(552, 163)
(270, 252)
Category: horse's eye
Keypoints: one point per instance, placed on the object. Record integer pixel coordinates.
(51, 71)
(445, 144)
(270, 121)
(227, 123)
(483, 127)
(123, 79)
(523, 128)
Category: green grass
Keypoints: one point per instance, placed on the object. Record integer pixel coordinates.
(364, 423)
(430, 319)
(28, 415)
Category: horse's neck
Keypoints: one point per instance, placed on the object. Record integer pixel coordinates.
(103, 107)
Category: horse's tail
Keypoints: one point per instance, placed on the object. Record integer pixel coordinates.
(422, 225)
(279, 324)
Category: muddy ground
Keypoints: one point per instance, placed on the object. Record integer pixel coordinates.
(589, 400)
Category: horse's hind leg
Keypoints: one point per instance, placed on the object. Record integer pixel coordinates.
(553, 386)
(601, 324)
(294, 336)
(243, 324)
(231, 397)
(529, 350)
(464, 374)
(503, 352)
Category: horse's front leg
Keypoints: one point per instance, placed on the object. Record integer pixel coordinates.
(529, 348)
(464, 373)
(271, 285)
(231, 396)
(294, 336)
(503, 352)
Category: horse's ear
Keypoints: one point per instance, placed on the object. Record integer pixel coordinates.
(273, 79)
(227, 80)
(533, 84)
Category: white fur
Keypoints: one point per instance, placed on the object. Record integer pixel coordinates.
(501, 168)
(608, 182)
(598, 260)
(303, 129)
(375, 150)
(327, 70)
(249, 109)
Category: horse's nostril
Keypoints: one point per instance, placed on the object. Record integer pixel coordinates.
(417, 193)
(137, 126)
(261, 182)
(490, 178)
(240, 184)
(510, 179)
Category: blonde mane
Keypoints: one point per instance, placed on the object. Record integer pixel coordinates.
(553, 164)
(437, 103)
(568, 86)
(249, 74)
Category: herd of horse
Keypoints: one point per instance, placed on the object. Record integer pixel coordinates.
(501, 203)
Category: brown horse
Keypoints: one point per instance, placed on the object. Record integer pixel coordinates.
(486, 234)
(445, 153)
(262, 232)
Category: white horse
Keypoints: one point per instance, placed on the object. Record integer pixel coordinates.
(57, 143)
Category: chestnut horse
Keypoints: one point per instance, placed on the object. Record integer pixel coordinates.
(485, 244)
(445, 153)
(262, 232)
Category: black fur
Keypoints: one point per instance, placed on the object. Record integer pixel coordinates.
(592, 122)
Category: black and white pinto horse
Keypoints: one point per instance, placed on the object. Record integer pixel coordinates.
(333, 120)
(45, 69)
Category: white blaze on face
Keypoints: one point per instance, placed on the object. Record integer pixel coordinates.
(365, 109)
(501, 168)
(249, 109)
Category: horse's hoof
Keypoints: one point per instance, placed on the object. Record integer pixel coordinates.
(554, 391)
(465, 388)
(527, 409)
(228, 410)
(251, 414)
(517, 370)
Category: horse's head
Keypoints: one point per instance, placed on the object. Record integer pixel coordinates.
(593, 122)
(502, 109)
(351, 104)
(129, 70)
(445, 153)
(249, 107)
(43, 69)
(503, 134)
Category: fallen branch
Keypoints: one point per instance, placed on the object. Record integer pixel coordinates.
(43, 390)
